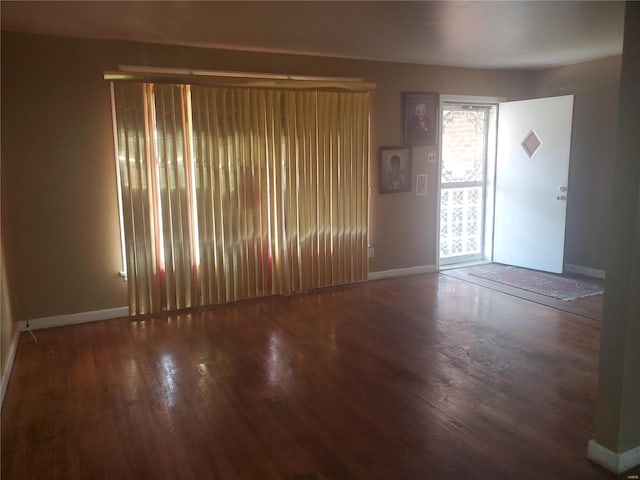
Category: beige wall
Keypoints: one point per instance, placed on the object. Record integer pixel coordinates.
(595, 86)
(58, 174)
(58, 160)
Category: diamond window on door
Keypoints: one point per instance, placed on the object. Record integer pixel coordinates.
(531, 143)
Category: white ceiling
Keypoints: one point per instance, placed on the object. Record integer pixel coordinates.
(521, 34)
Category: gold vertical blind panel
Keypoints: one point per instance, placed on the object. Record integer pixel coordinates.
(174, 167)
(234, 193)
(138, 196)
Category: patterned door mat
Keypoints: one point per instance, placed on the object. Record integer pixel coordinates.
(549, 284)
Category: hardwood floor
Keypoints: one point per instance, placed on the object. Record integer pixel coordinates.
(424, 377)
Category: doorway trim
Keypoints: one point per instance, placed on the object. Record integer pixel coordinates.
(490, 168)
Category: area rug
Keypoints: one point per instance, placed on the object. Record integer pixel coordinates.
(549, 284)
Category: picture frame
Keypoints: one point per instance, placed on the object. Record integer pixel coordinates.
(420, 111)
(395, 170)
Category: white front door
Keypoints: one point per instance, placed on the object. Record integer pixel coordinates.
(534, 140)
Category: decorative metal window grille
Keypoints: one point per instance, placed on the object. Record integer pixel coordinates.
(460, 216)
(463, 146)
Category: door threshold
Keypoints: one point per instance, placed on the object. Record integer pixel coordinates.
(452, 266)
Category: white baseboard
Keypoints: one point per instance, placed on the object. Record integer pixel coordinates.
(74, 318)
(401, 272)
(615, 462)
(9, 365)
(586, 271)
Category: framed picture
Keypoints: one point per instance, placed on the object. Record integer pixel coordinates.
(395, 170)
(420, 118)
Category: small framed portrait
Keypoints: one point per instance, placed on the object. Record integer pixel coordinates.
(395, 170)
(420, 118)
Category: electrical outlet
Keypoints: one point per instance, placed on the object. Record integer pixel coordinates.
(370, 251)
(431, 158)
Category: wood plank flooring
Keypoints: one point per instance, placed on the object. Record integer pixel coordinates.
(424, 377)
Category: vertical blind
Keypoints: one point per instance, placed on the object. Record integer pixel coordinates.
(231, 193)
